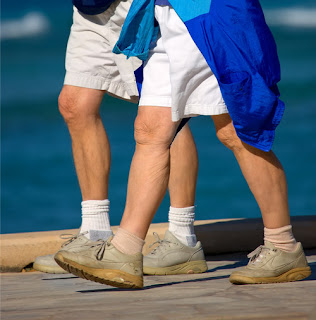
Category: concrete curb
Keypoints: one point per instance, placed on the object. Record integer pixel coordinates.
(217, 236)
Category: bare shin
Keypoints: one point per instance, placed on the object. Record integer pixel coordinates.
(184, 165)
(90, 145)
(150, 167)
(263, 172)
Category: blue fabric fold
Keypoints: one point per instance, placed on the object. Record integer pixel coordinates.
(162, 3)
(92, 7)
(239, 48)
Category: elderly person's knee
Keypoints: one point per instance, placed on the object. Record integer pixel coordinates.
(78, 105)
(228, 137)
(226, 132)
(153, 128)
(67, 104)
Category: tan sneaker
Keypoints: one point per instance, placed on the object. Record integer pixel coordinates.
(173, 257)
(269, 264)
(48, 264)
(103, 263)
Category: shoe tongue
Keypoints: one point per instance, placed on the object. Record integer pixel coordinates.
(269, 244)
(96, 235)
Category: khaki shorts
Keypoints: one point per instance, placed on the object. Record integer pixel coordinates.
(90, 62)
(176, 74)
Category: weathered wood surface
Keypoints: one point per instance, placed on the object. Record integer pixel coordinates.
(38, 296)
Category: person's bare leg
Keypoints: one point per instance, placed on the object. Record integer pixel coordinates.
(180, 235)
(92, 157)
(91, 152)
(182, 185)
(184, 165)
(150, 167)
(281, 259)
(90, 144)
(262, 171)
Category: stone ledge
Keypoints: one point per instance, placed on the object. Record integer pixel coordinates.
(217, 236)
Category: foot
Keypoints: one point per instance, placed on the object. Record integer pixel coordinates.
(269, 264)
(173, 257)
(48, 264)
(102, 262)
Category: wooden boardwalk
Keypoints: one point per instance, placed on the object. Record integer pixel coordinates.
(39, 296)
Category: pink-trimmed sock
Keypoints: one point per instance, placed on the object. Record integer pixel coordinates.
(282, 238)
(127, 242)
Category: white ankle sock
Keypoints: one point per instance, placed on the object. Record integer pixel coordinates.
(281, 238)
(181, 224)
(95, 219)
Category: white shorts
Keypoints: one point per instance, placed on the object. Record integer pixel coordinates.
(176, 74)
(90, 62)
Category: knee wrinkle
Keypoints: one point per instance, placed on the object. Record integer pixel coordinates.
(67, 107)
(229, 138)
(76, 111)
(151, 132)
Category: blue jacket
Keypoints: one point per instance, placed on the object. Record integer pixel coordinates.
(92, 7)
(238, 46)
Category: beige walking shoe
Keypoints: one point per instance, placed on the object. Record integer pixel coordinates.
(173, 257)
(269, 264)
(48, 264)
(103, 263)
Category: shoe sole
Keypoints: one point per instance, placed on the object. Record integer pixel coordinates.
(291, 275)
(114, 278)
(49, 269)
(190, 267)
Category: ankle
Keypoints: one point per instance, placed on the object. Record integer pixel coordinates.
(282, 238)
(181, 224)
(127, 242)
(95, 219)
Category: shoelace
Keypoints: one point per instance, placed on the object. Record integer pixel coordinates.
(258, 254)
(70, 237)
(161, 243)
(100, 246)
(100, 243)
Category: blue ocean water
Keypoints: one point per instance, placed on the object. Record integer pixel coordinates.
(39, 188)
